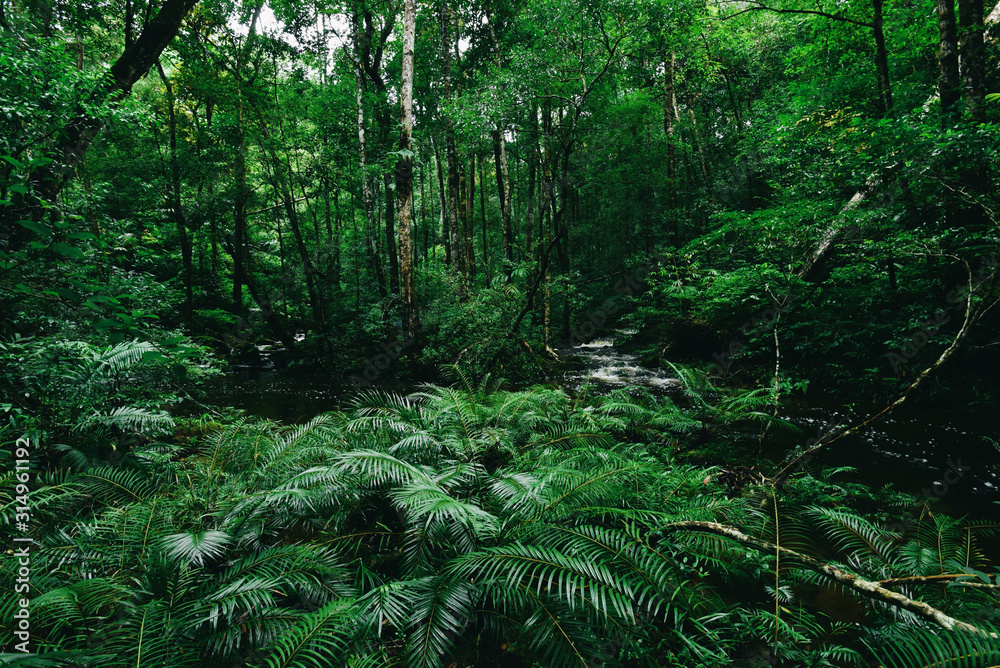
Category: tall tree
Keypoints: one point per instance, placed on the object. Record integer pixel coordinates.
(949, 82)
(404, 178)
(972, 50)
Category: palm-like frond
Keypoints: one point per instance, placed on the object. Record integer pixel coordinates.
(920, 647)
(127, 418)
(116, 485)
(195, 547)
(319, 639)
(852, 534)
(440, 612)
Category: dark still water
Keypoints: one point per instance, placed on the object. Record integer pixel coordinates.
(950, 459)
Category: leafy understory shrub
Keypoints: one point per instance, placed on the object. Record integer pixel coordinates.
(454, 525)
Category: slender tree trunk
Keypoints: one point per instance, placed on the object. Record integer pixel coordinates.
(283, 191)
(500, 160)
(669, 112)
(457, 256)
(175, 199)
(881, 58)
(404, 179)
(390, 233)
(503, 194)
(445, 230)
(949, 82)
(482, 213)
(701, 149)
(468, 220)
(241, 233)
(367, 196)
(972, 51)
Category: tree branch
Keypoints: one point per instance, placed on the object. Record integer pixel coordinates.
(870, 589)
(764, 8)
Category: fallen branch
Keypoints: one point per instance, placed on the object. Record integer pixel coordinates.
(944, 578)
(870, 589)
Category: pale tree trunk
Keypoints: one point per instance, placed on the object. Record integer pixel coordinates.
(502, 169)
(366, 187)
(404, 179)
(669, 115)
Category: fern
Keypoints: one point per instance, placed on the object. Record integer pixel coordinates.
(919, 647)
(319, 639)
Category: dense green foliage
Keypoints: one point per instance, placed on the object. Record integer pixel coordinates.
(468, 525)
(768, 200)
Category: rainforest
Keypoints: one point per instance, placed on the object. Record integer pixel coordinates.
(497, 333)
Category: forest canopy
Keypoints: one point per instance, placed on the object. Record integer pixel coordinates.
(771, 201)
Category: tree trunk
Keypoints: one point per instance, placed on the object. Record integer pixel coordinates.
(669, 111)
(390, 232)
(503, 193)
(468, 220)
(482, 215)
(972, 50)
(445, 222)
(949, 82)
(367, 196)
(175, 199)
(134, 63)
(404, 180)
(457, 256)
(241, 233)
(881, 58)
(502, 170)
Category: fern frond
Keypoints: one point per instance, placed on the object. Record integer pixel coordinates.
(920, 647)
(319, 639)
(195, 548)
(127, 418)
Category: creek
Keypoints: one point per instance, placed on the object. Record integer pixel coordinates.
(945, 457)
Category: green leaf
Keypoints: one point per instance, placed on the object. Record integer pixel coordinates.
(67, 250)
(16, 164)
(18, 188)
(154, 355)
(37, 228)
